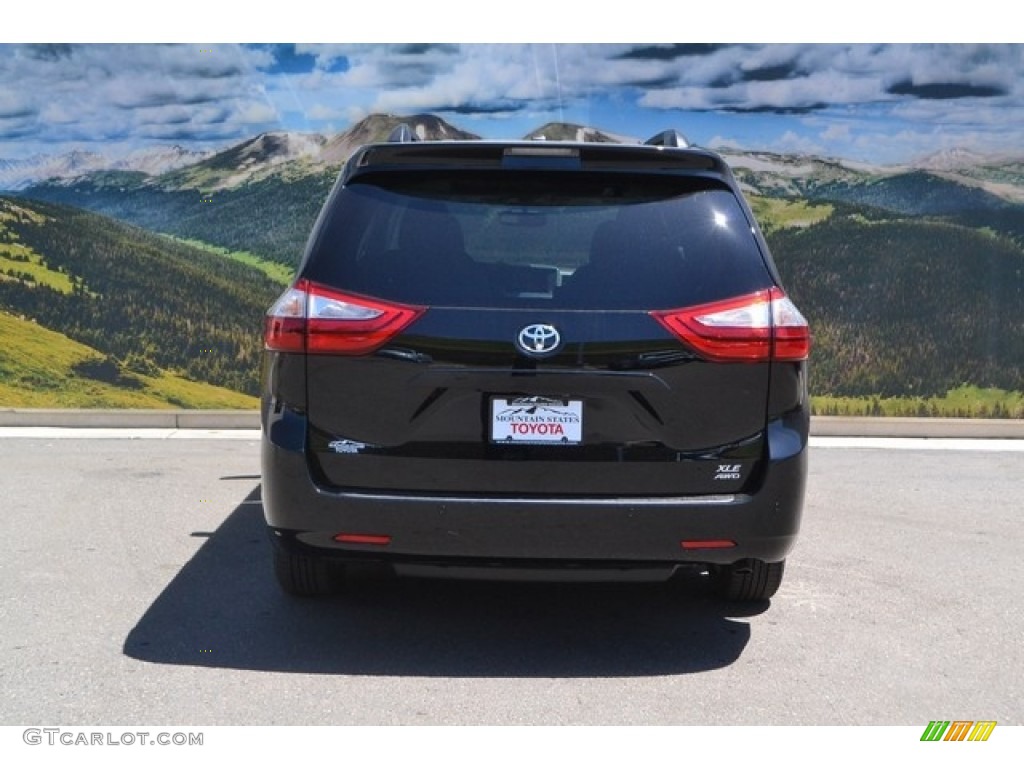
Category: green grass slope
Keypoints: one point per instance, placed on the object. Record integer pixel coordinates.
(144, 301)
(40, 368)
(270, 217)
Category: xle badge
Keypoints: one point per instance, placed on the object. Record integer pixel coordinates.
(728, 472)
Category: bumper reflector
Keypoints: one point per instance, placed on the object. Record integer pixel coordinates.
(363, 538)
(708, 544)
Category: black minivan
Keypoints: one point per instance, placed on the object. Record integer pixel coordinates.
(535, 360)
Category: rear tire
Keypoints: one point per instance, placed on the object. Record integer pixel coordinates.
(750, 580)
(306, 576)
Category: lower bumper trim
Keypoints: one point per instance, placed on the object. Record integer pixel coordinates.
(584, 501)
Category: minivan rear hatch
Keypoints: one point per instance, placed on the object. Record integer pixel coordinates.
(541, 351)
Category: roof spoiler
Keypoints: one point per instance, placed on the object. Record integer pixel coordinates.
(402, 134)
(669, 138)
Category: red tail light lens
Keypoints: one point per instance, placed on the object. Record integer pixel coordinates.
(285, 324)
(791, 333)
(313, 318)
(755, 328)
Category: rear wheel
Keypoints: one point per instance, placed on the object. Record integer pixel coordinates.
(750, 580)
(305, 576)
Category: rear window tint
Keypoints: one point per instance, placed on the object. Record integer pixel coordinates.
(520, 239)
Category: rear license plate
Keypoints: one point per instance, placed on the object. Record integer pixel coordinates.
(536, 420)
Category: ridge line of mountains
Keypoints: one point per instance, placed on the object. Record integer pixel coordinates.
(175, 167)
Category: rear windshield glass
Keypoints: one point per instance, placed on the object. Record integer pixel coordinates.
(523, 239)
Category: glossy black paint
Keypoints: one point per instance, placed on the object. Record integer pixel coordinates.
(652, 424)
(510, 528)
(396, 442)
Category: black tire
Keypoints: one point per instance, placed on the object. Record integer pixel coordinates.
(305, 576)
(750, 580)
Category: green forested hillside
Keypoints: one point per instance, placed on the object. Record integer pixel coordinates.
(40, 368)
(906, 307)
(900, 305)
(917, 193)
(145, 302)
(271, 217)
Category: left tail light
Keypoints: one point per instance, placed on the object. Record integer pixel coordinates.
(309, 317)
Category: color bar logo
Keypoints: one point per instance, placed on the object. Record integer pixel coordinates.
(958, 730)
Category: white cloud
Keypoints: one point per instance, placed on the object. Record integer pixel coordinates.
(14, 104)
(254, 113)
(103, 93)
(723, 142)
(57, 113)
(324, 112)
(355, 113)
(835, 132)
(206, 93)
(793, 142)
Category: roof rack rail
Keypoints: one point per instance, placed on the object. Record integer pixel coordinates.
(669, 138)
(402, 134)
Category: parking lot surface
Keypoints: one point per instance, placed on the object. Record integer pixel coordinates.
(136, 588)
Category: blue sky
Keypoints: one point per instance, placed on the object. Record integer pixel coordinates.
(880, 103)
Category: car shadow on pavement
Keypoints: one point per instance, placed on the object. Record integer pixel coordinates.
(224, 609)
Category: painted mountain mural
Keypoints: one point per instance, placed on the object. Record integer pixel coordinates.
(141, 280)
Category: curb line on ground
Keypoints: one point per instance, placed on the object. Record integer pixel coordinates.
(821, 426)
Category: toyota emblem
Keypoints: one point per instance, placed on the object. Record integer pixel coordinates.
(539, 340)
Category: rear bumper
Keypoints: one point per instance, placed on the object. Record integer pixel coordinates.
(570, 533)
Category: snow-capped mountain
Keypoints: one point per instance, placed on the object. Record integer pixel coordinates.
(20, 174)
(271, 148)
(574, 132)
(157, 160)
(249, 160)
(291, 156)
(954, 159)
(377, 127)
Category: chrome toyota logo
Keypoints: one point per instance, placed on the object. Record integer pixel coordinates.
(539, 340)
